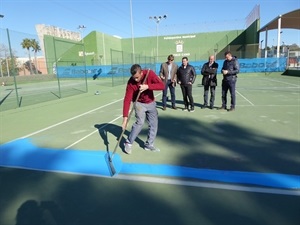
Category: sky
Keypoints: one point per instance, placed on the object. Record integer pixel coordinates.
(115, 17)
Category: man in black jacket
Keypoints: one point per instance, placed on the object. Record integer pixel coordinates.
(209, 80)
(230, 70)
(186, 76)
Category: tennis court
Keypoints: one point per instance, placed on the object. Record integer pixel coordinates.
(261, 137)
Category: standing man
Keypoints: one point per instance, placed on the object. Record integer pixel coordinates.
(145, 107)
(186, 76)
(167, 73)
(230, 70)
(209, 80)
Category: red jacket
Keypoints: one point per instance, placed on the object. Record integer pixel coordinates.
(132, 90)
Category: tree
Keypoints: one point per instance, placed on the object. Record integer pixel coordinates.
(8, 65)
(27, 44)
(35, 48)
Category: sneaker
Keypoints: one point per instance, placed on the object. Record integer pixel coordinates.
(192, 109)
(127, 147)
(185, 109)
(164, 108)
(222, 108)
(231, 109)
(174, 107)
(203, 106)
(151, 148)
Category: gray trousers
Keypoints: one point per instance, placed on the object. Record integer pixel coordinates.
(149, 112)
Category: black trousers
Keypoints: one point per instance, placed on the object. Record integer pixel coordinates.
(229, 84)
(187, 95)
(212, 95)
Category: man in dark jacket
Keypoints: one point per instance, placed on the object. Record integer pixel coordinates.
(230, 70)
(209, 80)
(186, 76)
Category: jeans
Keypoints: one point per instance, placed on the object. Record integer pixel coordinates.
(187, 95)
(149, 112)
(212, 95)
(169, 85)
(228, 84)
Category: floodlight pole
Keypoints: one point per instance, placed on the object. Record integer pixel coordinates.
(81, 30)
(157, 20)
(278, 36)
(261, 48)
(132, 33)
(1, 16)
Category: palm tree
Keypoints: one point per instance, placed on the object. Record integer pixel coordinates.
(35, 48)
(26, 43)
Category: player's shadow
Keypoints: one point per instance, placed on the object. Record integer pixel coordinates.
(106, 130)
(45, 212)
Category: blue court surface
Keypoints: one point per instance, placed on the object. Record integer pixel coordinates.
(23, 154)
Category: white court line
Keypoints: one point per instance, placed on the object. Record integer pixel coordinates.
(75, 117)
(180, 182)
(96, 130)
(230, 187)
(282, 82)
(76, 142)
(245, 98)
(62, 122)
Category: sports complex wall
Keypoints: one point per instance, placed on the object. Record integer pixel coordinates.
(114, 55)
(246, 66)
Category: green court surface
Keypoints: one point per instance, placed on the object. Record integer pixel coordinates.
(262, 135)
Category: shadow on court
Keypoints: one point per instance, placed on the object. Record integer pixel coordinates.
(78, 200)
(53, 198)
(227, 146)
(110, 131)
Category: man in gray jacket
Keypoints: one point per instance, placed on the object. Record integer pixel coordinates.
(167, 74)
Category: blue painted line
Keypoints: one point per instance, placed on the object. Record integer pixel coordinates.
(23, 154)
(261, 179)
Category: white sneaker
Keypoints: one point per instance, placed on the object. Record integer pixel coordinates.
(152, 149)
(127, 147)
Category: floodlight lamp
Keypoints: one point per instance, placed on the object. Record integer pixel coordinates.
(150, 17)
(165, 16)
(1, 16)
(155, 17)
(159, 17)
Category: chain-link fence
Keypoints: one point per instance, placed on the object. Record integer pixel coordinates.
(33, 72)
(28, 78)
(121, 63)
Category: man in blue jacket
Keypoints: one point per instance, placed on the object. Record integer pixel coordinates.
(230, 70)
